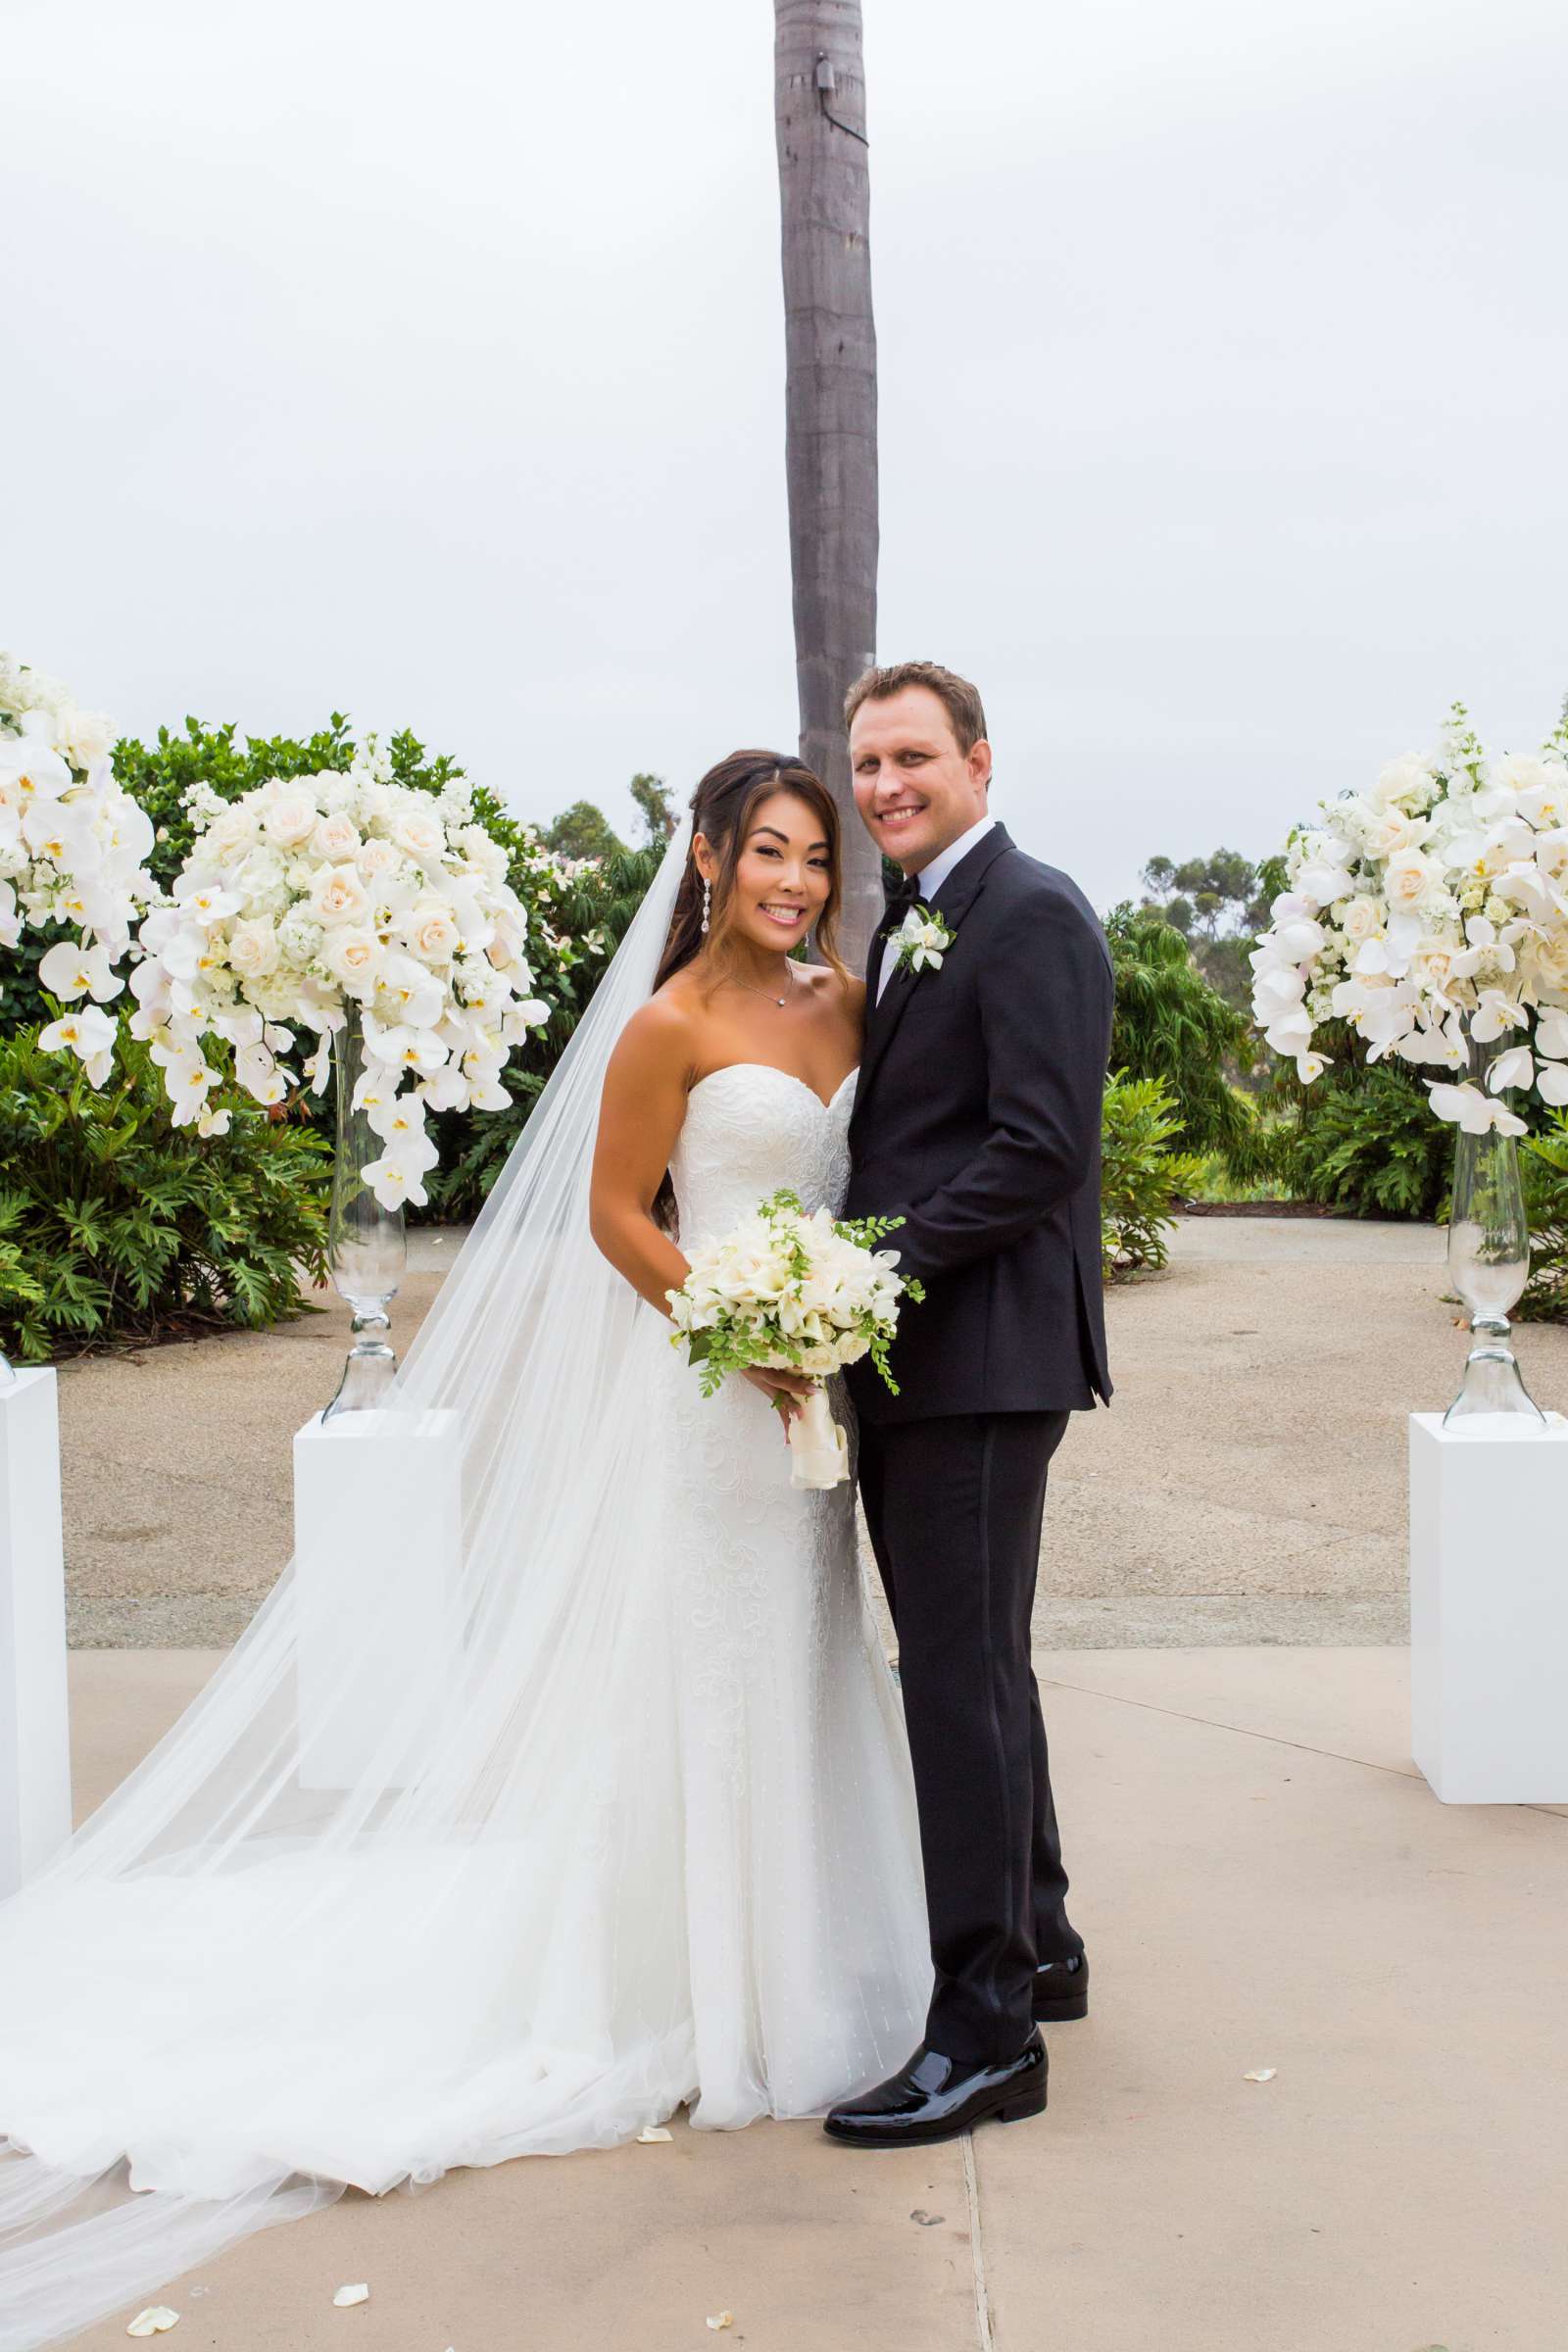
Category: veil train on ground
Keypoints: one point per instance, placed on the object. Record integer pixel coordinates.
(259, 1991)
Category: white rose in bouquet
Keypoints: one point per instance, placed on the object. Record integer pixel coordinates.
(788, 1291)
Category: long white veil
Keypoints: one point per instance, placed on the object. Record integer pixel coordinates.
(254, 1990)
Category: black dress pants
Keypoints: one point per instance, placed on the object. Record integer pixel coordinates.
(953, 1507)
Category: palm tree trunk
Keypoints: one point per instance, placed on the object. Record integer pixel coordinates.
(830, 399)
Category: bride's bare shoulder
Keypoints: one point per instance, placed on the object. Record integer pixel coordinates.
(662, 1037)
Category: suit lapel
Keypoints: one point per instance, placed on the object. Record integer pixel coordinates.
(953, 900)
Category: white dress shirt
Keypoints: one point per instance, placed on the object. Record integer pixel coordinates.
(931, 878)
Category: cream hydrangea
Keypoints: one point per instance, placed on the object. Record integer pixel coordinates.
(1431, 912)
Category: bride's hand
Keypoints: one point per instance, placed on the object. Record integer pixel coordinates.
(785, 1392)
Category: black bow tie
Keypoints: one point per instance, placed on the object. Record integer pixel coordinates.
(901, 900)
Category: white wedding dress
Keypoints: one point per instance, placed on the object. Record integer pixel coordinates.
(656, 1843)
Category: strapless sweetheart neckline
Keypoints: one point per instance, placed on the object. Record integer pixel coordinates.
(794, 1080)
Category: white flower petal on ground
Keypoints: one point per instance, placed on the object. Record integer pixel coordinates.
(345, 2296)
(156, 2320)
(1260, 2074)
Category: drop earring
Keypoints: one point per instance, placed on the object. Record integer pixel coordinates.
(708, 901)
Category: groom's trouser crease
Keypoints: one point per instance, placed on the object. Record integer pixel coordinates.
(953, 1508)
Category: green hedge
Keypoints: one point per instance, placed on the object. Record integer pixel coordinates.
(117, 1226)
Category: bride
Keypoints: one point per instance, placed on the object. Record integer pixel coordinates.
(652, 1841)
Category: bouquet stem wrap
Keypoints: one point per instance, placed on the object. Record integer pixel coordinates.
(818, 1447)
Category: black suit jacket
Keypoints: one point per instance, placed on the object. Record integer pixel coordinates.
(977, 1120)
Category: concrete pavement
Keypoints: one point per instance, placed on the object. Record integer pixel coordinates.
(1247, 1484)
(1263, 1881)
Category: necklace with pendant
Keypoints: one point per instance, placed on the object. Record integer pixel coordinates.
(764, 992)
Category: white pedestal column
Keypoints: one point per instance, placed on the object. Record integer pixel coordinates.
(1489, 1610)
(377, 1542)
(34, 1730)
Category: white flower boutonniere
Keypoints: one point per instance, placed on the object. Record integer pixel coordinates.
(923, 937)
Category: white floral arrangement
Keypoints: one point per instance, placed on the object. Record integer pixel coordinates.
(787, 1291)
(72, 850)
(311, 893)
(1431, 914)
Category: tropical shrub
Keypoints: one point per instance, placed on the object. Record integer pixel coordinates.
(1171, 1025)
(113, 1225)
(1361, 1139)
(1142, 1176)
(1544, 1168)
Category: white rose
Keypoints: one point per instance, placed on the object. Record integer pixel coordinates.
(1361, 917)
(1390, 830)
(253, 950)
(336, 837)
(376, 859)
(421, 834)
(84, 736)
(1409, 879)
(431, 932)
(338, 896)
(351, 957)
(290, 820)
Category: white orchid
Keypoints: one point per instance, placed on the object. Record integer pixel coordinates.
(87, 1034)
(921, 941)
(1468, 1108)
(70, 970)
(71, 845)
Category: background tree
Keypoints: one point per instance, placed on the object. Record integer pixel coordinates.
(582, 831)
(1218, 903)
(830, 398)
(653, 798)
(1171, 1025)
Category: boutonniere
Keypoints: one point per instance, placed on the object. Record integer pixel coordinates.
(921, 938)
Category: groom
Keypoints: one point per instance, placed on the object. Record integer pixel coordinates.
(977, 1120)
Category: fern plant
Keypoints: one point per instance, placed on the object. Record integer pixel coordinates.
(116, 1225)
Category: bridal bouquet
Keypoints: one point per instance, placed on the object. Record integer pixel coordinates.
(312, 897)
(71, 846)
(792, 1291)
(1431, 912)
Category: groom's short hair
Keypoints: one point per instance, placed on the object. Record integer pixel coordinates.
(962, 700)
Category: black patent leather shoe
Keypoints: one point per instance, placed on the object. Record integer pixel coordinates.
(1062, 1991)
(936, 2098)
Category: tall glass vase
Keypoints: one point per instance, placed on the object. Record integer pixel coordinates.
(367, 1246)
(1489, 1261)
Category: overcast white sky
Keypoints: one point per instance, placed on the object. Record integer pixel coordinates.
(428, 364)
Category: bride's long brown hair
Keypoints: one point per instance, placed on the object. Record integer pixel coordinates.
(722, 808)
